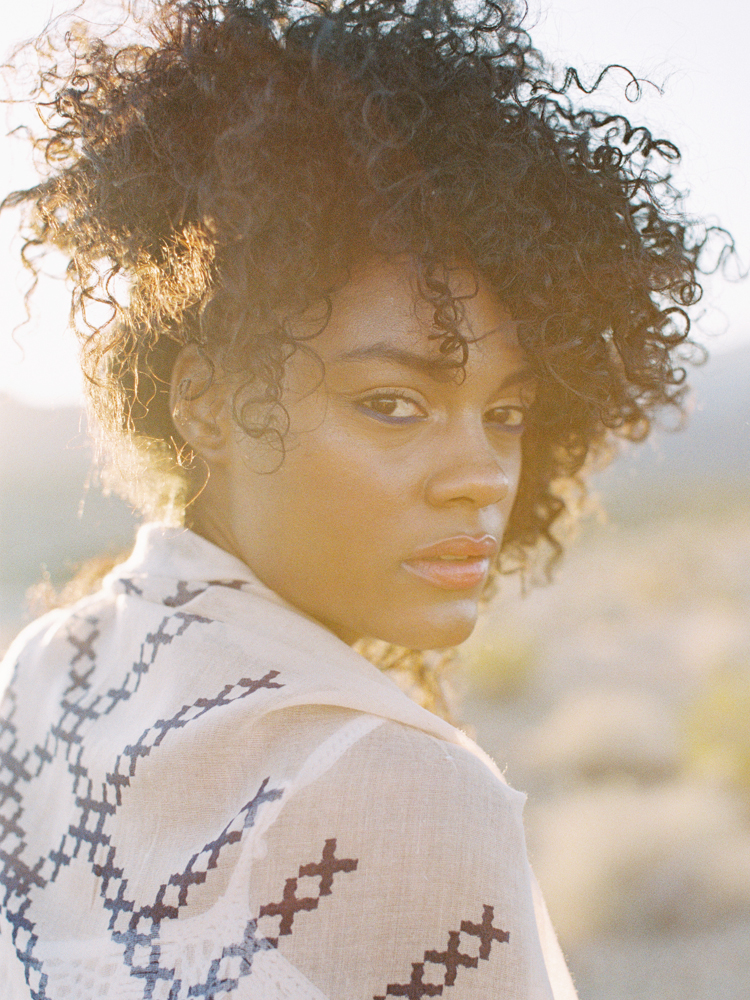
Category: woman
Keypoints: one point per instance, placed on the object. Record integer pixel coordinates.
(386, 291)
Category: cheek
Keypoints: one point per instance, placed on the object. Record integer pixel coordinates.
(329, 488)
(353, 465)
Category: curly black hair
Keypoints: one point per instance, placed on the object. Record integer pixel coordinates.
(238, 166)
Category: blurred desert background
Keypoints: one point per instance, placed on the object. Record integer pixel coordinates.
(618, 697)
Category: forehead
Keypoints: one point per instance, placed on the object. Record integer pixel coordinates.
(384, 306)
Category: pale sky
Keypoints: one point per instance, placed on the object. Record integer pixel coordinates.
(696, 60)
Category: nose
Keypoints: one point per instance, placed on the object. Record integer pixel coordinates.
(471, 473)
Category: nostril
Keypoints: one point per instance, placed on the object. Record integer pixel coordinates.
(480, 485)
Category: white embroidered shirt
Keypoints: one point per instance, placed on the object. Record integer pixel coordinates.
(205, 794)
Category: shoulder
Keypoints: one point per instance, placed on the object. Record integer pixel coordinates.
(402, 847)
(37, 644)
(406, 764)
(320, 745)
(387, 779)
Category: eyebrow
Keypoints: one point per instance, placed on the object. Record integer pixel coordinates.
(439, 368)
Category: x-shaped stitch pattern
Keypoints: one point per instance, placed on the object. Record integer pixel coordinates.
(138, 930)
(291, 904)
(68, 733)
(153, 736)
(16, 875)
(200, 864)
(163, 638)
(84, 647)
(132, 754)
(451, 959)
(184, 594)
(236, 959)
(71, 726)
(142, 949)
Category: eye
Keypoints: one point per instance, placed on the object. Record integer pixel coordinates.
(511, 419)
(391, 408)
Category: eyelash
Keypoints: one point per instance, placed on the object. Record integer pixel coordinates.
(508, 428)
(365, 406)
(387, 397)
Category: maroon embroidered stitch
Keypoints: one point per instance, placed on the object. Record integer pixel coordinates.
(291, 904)
(415, 989)
(485, 932)
(451, 959)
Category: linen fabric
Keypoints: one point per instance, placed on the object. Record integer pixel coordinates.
(206, 794)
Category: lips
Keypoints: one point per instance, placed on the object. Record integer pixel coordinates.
(458, 563)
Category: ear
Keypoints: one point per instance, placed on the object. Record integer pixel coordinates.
(199, 401)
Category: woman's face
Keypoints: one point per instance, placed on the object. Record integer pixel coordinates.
(398, 474)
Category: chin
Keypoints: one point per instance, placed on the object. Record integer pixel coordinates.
(436, 628)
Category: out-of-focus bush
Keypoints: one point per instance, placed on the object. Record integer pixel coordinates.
(501, 664)
(598, 734)
(717, 729)
(628, 859)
